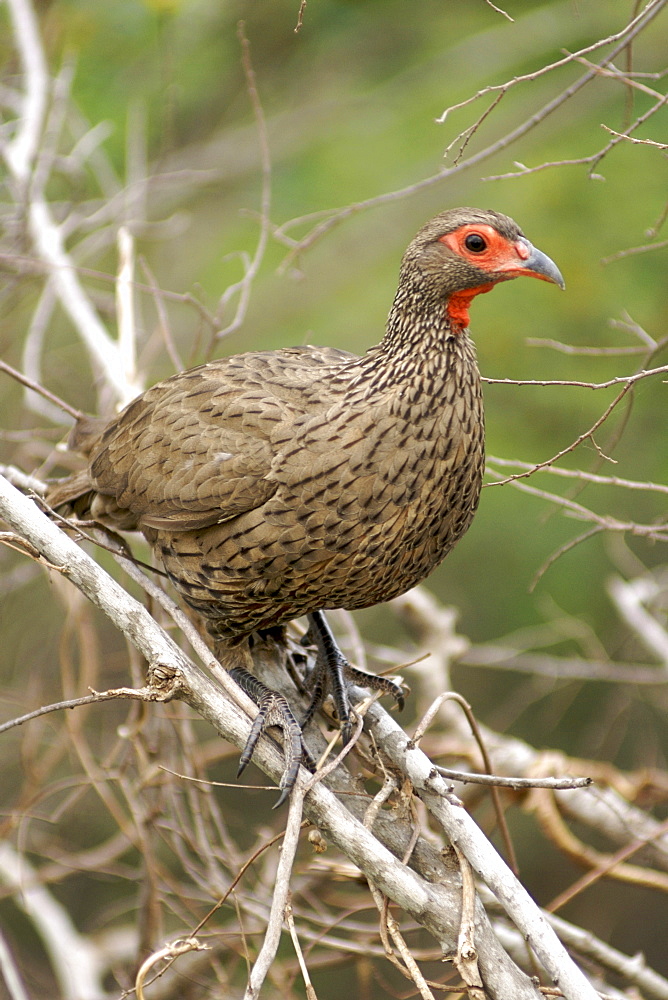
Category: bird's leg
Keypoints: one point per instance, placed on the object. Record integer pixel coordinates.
(332, 664)
(273, 710)
(316, 680)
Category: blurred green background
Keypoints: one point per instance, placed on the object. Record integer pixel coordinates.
(351, 103)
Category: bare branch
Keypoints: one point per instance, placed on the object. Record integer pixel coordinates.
(125, 306)
(499, 10)
(581, 475)
(594, 158)
(10, 974)
(35, 387)
(74, 959)
(631, 251)
(625, 380)
(333, 217)
(507, 657)
(47, 235)
(169, 953)
(622, 36)
(656, 531)
(463, 832)
(145, 694)
(418, 897)
(251, 266)
(280, 896)
(559, 784)
(630, 599)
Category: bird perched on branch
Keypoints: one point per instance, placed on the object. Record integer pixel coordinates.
(282, 483)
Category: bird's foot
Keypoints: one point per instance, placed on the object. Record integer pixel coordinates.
(273, 710)
(364, 678)
(332, 666)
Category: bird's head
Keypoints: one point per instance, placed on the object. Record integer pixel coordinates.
(466, 251)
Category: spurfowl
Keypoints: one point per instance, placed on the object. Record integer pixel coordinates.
(280, 483)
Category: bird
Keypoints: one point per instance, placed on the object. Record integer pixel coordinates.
(278, 484)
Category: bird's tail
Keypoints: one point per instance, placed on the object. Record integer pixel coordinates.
(74, 491)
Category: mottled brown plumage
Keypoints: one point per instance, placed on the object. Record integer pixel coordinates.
(279, 483)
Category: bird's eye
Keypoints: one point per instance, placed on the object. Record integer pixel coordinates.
(475, 243)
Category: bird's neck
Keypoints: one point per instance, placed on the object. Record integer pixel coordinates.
(421, 341)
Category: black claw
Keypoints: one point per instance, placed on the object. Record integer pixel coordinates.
(346, 732)
(259, 723)
(285, 794)
(273, 710)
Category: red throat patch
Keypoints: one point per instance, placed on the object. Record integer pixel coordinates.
(458, 305)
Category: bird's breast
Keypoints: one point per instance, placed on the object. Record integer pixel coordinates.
(382, 491)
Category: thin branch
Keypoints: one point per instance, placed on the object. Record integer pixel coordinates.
(169, 953)
(477, 735)
(652, 8)
(586, 435)
(500, 11)
(40, 390)
(630, 251)
(578, 350)
(290, 921)
(332, 217)
(558, 784)
(581, 475)
(592, 160)
(629, 80)
(300, 16)
(280, 896)
(495, 656)
(390, 928)
(572, 543)
(22, 150)
(251, 267)
(466, 958)
(158, 299)
(125, 305)
(630, 598)
(10, 973)
(638, 142)
(625, 380)
(113, 694)
(657, 531)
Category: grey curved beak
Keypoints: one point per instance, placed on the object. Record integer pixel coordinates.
(541, 266)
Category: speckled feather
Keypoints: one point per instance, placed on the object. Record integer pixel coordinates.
(276, 483)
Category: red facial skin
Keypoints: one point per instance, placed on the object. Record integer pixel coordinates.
(500, 255)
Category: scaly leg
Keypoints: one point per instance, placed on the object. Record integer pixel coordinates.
(273, 711)
(332, 665)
